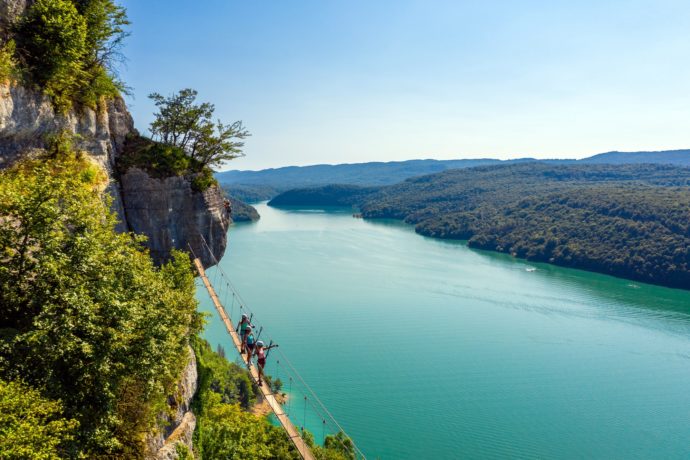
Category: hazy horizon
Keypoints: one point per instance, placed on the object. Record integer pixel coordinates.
(349, 82)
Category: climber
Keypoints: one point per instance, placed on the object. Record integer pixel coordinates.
(261, 352)
(249, 342)
(242, 328)
(228, 207)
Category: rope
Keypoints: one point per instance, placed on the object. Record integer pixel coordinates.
(243, 306)
(313, 394)
(304, 416)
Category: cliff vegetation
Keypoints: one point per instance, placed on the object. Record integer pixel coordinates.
(88, 322)
(68, 49)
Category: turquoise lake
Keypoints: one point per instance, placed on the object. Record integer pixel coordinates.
(426, 349)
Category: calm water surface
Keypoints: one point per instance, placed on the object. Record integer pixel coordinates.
(425, 349)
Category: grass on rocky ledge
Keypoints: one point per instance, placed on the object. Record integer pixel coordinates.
(161, 161)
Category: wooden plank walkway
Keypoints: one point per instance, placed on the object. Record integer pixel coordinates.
(292, 431)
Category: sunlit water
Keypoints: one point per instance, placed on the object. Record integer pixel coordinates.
(425, 349)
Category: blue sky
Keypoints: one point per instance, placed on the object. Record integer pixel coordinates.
(324, 81)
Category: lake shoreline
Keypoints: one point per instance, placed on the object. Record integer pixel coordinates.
(466, 242)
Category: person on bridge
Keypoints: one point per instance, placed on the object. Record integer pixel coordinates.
(249, 342)
(242, 327)
(260, 352)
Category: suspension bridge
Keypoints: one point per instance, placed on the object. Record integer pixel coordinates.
(310, 399)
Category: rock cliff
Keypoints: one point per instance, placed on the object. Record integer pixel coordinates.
(178, 426)
(167, 211)
(173, 215)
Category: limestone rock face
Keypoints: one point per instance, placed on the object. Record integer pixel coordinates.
(27, 117)
(173, 215)
(10, 10)
(167, 211)
(179, 427)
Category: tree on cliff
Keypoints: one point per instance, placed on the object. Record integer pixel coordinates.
(69, 48)
(183, 123)
(85, 317)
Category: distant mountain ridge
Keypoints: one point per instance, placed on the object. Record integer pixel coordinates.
(675, 157)
(267, 183)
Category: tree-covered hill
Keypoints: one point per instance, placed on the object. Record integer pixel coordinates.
(631, 221)
(675, 157)
(242, 212)
(372, 173)
(252, 186)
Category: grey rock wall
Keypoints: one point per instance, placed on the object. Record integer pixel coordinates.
(10, 10)
(172, 215)
(167, 211)
(178, 428)
(27, 119)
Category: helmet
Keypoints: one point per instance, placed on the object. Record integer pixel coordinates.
(260, 343)
(244, 316)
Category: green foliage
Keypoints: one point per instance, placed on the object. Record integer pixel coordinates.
(625, 220)
(67, 47)
(183, 452)
(52, 43)
(329, 195)
(158, 160)
(224, 429)
(86, 316)
(30, 425)
(247, 193)
(106, 30)
(340, 445)
(203, 180)
(60, 145)
(8, 62)
(183, 123)
(218, 375)
(230, 432)
(276, 385)
(163, 160)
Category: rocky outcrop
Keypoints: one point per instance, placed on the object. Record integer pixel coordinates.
(27, 119)
(10, 10)
(172, 215)
(177, 427)
(167, 211)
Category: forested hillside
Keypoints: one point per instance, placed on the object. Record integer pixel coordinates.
(253, 186)
(631, 221)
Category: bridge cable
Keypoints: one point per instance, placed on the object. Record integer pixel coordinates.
(220, 272)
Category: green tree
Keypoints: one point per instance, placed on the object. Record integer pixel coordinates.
(339, 443)
(69, 48)
(84, 312)
(8, 62)
(51, 40)
(182, 122)
(106, 30)
(229, 432)
(30, 425)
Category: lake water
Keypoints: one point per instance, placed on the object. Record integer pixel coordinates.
(425, 349)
